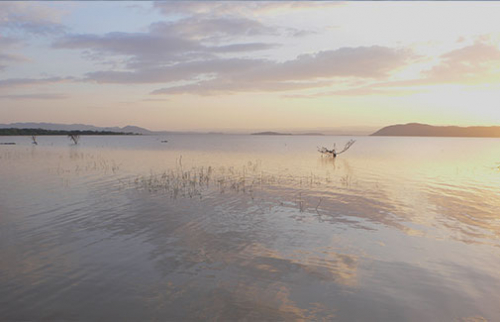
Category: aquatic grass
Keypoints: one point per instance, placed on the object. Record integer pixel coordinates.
(250, 180)
(193, 181)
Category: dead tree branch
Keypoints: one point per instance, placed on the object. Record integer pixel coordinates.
(74, 137)
(333, 152)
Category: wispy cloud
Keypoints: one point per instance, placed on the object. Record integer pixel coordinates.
(139, 47)
(6, 57)
(31, 82)
(245, 8)
(176, 72)
(153, 48)
(36, 96)
(218, 20)
(6, 42)
(306, 71)
(9, 58)
(474, 64)
(213, 28)
(30, 17)
(233, 74)
(206, 51)
(220, 86)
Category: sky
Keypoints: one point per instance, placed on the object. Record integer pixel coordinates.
(250, 65)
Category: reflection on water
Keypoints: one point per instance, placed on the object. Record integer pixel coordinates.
(223, 227)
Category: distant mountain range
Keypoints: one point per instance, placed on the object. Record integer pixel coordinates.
(280, 133)
(417, 129)
(79, 127)
(343, 131)
(410, 129)
(270, 133)
(37, 132)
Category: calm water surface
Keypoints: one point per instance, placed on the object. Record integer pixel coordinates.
(236, 227)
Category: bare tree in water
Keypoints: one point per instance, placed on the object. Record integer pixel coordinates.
(74, 137)
(334, 152)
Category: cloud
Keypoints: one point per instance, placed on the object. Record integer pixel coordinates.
(306, 71)
(206, 50)
(36, 28)
(244, 47)
(9, 58)
(176, 72)
(6, 59)
(20, 82)
(361, 91)
(153, 48)
(218, 86)
(478, 63)
(225, 8)
(140, 46)
(213, 28)
(211, 49)
(198, 37)
(365, 62)
(37, 96)
(30, 17)
(235, 74)
(222, 20)
(474, 63)
(7, 43)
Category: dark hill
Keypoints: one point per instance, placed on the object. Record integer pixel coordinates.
(417, 129)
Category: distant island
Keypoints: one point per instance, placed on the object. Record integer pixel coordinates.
(271, 133)
(14, 131)
(79, 127)
(278, 133)
(129, 129)
(311, 134)
(417, 129)
(342, 131)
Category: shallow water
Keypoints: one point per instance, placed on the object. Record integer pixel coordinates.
(238, 227)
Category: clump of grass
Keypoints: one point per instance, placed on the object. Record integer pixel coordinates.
(201, 180)
(286, 189)
(178, 182)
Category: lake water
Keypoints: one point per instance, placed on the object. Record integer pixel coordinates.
(240, 227)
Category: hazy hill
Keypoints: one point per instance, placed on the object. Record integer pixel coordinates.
(76, 127)
(417, 129)
(36, 132)
(271, 133)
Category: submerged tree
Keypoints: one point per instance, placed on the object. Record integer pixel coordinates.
(74, 137)
(334, 152)
(33, 139)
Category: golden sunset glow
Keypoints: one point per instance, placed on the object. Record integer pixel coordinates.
(240, 66)
(249, 161)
